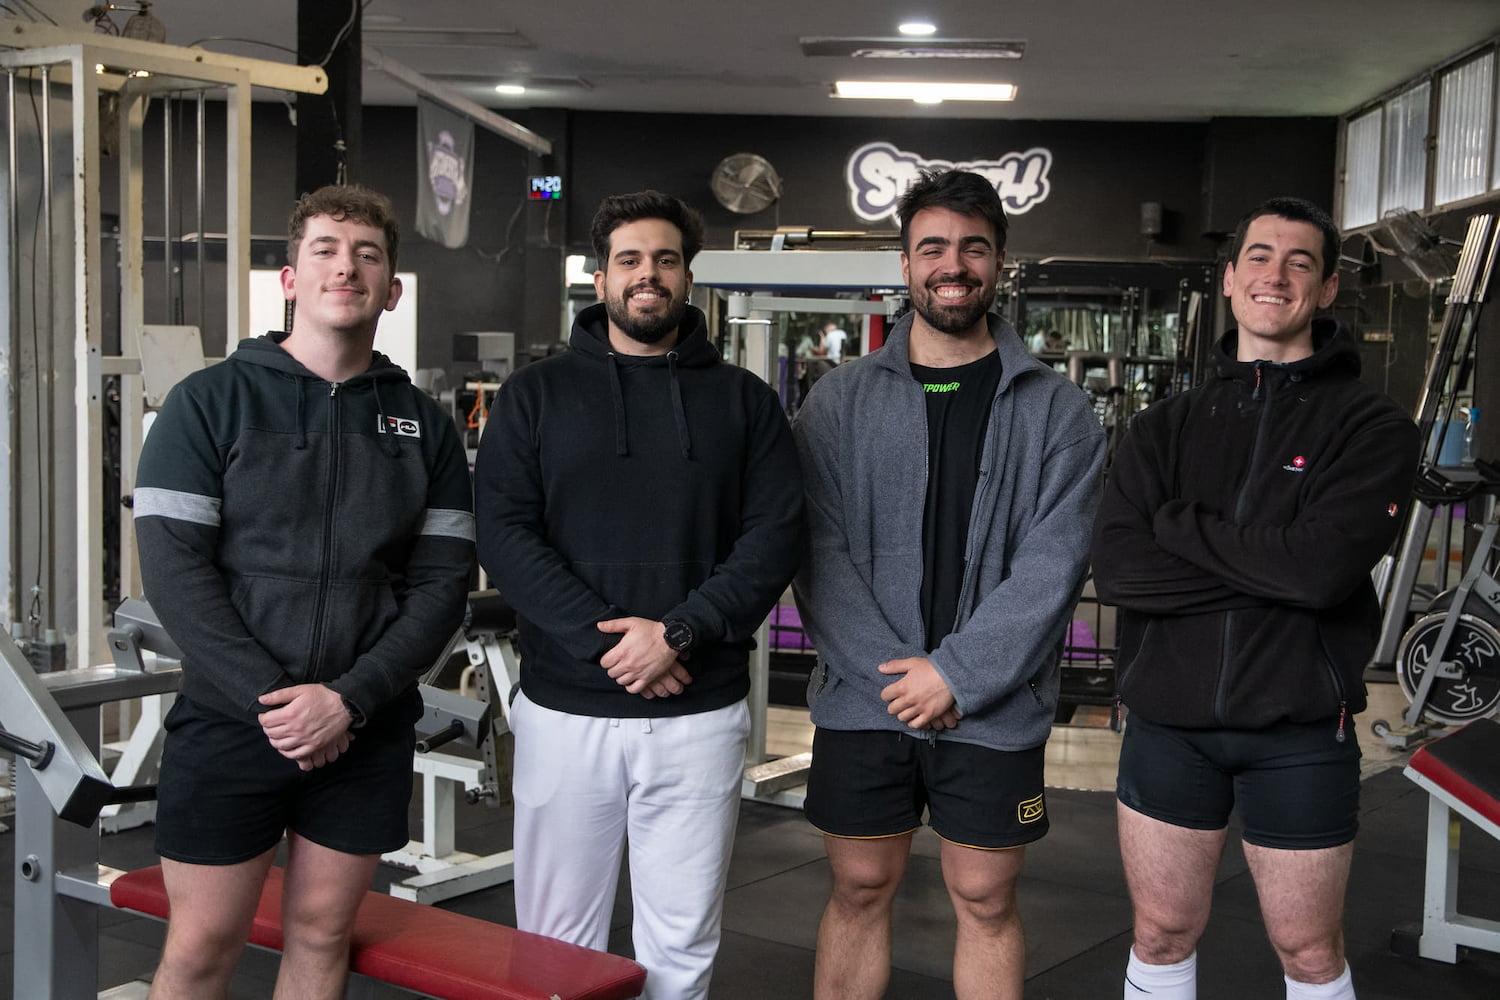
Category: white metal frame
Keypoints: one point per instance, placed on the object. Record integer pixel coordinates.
(1443, 927)
(171, 68)
(444, 871)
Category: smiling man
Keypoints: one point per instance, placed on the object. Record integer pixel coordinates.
(305, 534)
(1239, 524)
(951, 482)
(639, 505)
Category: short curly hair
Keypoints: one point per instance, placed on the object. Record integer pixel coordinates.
(619, 209)
(340, 202)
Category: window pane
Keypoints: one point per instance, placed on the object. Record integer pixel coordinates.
(1464, 130)
(1361, 170)
(1404, 175)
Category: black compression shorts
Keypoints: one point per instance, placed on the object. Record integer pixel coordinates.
(1296, 786)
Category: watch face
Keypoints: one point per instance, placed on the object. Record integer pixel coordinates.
(678, 635)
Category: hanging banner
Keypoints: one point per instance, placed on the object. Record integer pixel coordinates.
(878, 175)
(445, 164)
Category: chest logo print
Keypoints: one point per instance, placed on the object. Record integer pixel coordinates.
(942, 387)
(1031, 810)
(1298, 464)
(400, 426)
(1391, 510)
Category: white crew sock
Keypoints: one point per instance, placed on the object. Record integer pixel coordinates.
(1163, 982)
(1341, 988)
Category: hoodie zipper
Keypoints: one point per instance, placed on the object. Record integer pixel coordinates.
(325, 567)
(1338, 689)
(1221, 684)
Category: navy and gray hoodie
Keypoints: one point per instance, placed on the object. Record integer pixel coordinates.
(1239, 524)
(293, 530)
(612, 485)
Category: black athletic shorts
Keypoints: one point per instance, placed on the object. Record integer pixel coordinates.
(1295, 785)
(874, 783)
(226, 795)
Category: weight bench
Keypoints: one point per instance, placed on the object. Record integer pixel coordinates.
(431, 951)
(1461, 775)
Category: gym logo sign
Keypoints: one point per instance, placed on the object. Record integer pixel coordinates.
(401, 426)
(1031, 810)
(878, 175)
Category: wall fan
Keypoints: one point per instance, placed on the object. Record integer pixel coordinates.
(745, 183)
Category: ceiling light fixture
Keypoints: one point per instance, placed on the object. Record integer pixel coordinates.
(917, 28)
(925, 93)
(510, 89)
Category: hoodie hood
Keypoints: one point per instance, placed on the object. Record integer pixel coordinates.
(590, 338)
(1334, 352)
(266, 352)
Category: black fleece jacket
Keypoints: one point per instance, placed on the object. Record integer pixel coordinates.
(292, 530)
(611, 485)
(1239, 525)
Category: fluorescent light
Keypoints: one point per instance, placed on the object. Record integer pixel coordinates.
(917, 28)
(892, 90)
(509, 88)
(927, 100)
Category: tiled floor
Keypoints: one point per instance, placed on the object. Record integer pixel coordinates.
(1073, 899)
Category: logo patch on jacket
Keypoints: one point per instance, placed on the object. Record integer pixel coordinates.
(1298, 464)
(402, 426)
(1031, 810)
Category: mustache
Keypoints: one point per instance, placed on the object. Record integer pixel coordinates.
(964, 280)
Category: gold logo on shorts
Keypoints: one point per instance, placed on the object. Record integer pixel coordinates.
(1031, 810)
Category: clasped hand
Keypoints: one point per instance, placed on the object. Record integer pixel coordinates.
(642, 662)
(921, 698)
(310, 724)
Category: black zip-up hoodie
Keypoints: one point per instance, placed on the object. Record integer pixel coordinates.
(293, 530)
(611, 485)
(1239, 525)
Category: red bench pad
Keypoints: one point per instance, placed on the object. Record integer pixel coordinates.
(1466, 765)
(433, 951)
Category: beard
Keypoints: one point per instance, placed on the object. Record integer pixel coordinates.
(952, 319)
(649, 329)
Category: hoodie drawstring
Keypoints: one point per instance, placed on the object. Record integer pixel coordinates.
(622, 443)
(385, 425)
(678, 413)
(301, 414)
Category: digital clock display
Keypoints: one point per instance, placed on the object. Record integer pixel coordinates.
(544, 187)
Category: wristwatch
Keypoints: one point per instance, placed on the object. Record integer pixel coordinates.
(679, 634)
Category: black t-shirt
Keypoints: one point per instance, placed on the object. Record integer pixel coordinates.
(958, 413)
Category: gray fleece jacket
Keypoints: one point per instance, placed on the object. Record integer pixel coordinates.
(862, 440)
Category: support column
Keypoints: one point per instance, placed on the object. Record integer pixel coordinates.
(323, 120)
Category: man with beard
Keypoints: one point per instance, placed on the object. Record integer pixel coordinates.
(951, 480)
(1236, 534)
(639, 504)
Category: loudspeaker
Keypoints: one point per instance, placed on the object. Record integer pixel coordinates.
(1150, 218)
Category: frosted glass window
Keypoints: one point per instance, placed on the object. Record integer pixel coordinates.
(1362, 170)
(1465, 130)
(1403, 177)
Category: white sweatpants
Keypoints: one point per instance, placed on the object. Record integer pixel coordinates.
(584, 785)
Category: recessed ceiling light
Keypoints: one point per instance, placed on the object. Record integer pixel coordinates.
(511, 89)
(926, 93)
(917, 28)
